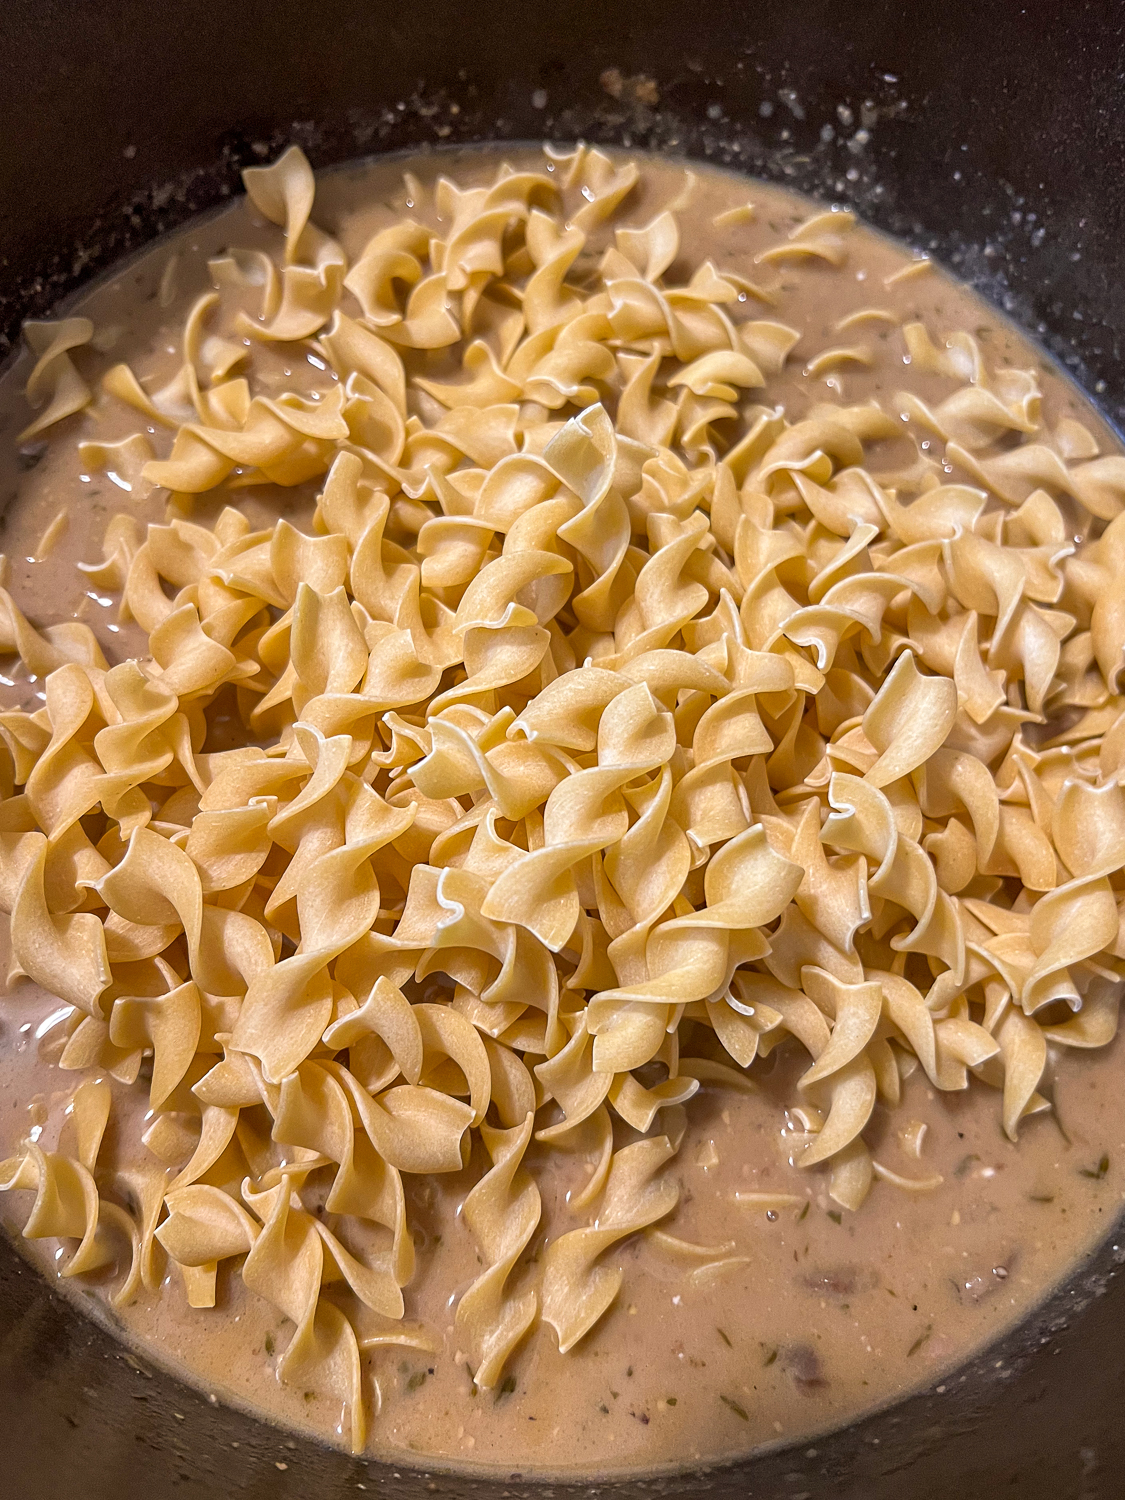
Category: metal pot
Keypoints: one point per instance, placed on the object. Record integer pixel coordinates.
(991, 136)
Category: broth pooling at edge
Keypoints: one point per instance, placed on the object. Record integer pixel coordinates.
(389, 885)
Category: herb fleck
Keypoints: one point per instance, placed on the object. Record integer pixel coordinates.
(671, 1401)
(506, 1387)
(604, 1408)
(1041, 1197)
(739, 1411)
(835, 1215)
(922, 1338)
(270, 1346)
(416, 1380)
(804, 1212)
(725, 1338)
(769, 1359)
(965, 1163)
(1098, 1172)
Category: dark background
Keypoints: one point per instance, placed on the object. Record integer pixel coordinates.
(998, 142)
(995, 141)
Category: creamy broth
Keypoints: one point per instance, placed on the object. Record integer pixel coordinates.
(813, 1314)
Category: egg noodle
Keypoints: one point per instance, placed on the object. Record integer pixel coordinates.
(605, 732)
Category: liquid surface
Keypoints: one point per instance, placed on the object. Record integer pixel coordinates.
(815, 1315)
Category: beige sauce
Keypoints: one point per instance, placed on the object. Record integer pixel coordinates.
(830, 1314)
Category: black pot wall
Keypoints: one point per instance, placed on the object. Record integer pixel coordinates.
(994, 139)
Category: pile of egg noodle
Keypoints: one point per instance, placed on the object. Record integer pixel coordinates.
(585, 758)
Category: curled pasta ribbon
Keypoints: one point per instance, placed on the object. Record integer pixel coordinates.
(823, 237)
(713, 1260)
(288, 1006)
(1078, 918)
(693, 957)
(54, 384)
(284, 193)
(502, 1213)
(67, 1202)
(863, 820)
(287, 441)
(169, 1024)
(577, 1291)
(290, 1259)
(66, 954)
(204, 1226)
(583, 814)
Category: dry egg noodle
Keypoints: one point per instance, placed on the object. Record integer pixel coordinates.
(667, 782)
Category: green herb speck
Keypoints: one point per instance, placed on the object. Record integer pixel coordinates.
(739, 1411)
(671, 1401)
(1098, 1172)
(835, 1215)
(920, 1340)
(769, 1359)
(725, 1338)
(804, 1212)
(505, 1388)
(416, 1380)
(270, 1346)
(965, 1163)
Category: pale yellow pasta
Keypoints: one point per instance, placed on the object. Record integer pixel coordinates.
(605, 732)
